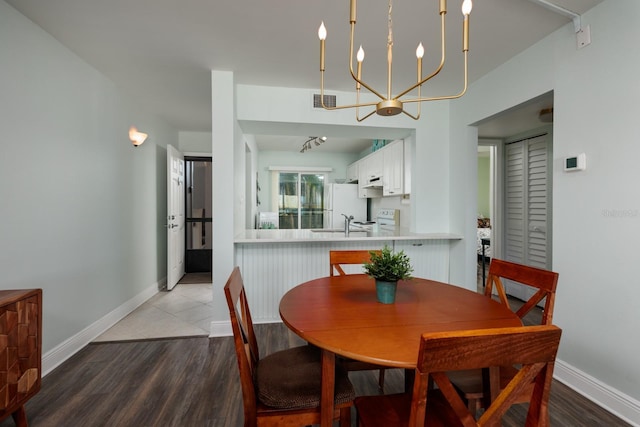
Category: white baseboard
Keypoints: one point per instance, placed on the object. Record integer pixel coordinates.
(71, 346)
(614, 401)
(220, 329)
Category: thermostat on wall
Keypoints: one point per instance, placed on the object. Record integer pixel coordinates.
(575, 163)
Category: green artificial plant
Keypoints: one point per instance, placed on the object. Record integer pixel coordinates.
(388, 266)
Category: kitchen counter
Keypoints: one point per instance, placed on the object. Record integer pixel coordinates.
(273, 236)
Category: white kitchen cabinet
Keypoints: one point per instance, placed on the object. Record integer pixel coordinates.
(393, 169)
(375, 164)
(408, 160)
(428, 258)
(352, 172)
(365, 167)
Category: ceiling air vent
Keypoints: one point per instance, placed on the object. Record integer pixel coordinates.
(329, 100)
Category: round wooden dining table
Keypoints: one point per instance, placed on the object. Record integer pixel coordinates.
(341, 315)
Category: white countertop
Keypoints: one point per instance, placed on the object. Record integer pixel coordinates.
(271, 236)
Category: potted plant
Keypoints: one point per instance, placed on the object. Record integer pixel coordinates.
(387, 267)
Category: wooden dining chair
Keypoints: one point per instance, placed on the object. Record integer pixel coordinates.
(339, 258)
(545, 282)
(336, 260)
(283, 388)
(534, 348)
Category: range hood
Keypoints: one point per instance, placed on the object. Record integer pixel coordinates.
(373, 182)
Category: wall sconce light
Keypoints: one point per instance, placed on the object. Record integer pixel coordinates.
(137, 138)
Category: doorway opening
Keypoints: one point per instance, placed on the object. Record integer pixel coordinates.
(199, 216)
(486, 210)
(514, 186)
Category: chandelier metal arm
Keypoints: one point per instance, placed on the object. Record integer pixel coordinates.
(339, 107)
(442, 60)
(358, 105)
(416, 117)
(442, 98)
(360, 119)
(356, 78)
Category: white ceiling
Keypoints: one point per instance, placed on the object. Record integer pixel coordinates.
(162, 51)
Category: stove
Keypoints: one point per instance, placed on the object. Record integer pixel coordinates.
(388, 219)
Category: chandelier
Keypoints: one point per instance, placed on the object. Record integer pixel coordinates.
(391, 105)
(317, 140)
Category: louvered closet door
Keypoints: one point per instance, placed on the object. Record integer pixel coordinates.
(528, 205)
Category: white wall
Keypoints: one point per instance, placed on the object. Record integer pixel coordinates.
(82, 209)
(596, 213)
(194, 142)
(228, 183)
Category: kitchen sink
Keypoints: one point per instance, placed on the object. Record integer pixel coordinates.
(336, 230)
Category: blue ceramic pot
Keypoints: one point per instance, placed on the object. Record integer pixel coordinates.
(386, 291)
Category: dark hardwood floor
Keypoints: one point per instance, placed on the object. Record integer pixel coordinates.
(194, 382)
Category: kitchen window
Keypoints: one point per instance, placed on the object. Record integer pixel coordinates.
(300, 198)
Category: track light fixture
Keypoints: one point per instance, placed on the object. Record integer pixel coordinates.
(317, 140)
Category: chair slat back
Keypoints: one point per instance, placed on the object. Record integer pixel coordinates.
(533, 347)
(544, 281)
(244, 338)
(338, 258)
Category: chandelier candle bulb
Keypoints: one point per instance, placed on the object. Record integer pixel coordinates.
(360, 58)
(466, 11)
(322, 34)
(419, 70)
(467, 5)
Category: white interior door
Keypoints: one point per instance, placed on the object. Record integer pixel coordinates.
(175, 216)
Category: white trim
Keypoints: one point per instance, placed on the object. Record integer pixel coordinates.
(220, 329)
(223, 328)
(576, 18)
(196, 154)
(614, 401)
(301, 168)
(54, 357)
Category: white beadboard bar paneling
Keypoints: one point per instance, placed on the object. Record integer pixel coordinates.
(269, 270)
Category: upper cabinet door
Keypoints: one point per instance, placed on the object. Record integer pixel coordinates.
(352, 172)
(393, 169)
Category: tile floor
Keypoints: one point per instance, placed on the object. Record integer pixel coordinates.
(184, 311)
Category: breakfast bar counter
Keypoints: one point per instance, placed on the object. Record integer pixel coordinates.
(337, 235)
(274, 261)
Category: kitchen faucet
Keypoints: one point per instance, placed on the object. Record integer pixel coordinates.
(347, 223)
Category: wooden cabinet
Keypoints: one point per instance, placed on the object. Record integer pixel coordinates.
(393, 169)
(20, 351)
